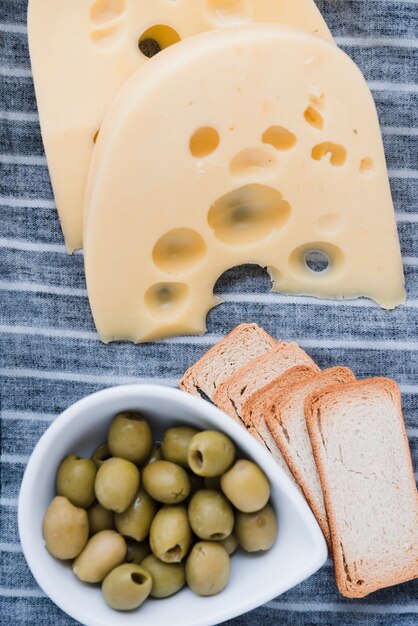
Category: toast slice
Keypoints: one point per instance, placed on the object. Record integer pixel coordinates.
(285, 418)
(243, 344)
(275, 453)
(364, 464)
(230, 396)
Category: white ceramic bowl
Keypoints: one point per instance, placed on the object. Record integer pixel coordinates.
(255, 579)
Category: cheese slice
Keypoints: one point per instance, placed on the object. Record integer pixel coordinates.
(258, 145)
(83, 51)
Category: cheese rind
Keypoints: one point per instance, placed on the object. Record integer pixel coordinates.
(259, 197)
(83, 51)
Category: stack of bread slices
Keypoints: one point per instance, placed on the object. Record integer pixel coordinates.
(343, 441)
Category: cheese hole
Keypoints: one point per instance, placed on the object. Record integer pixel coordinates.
(227, 12)
(317, 261)
(104, 11)
(96, 135)
(330, 223)
(317, 98)
(314, 118)
(248, 215)
(179, 251)
(280, 138)
(109, 35)
(366, 165)
(338, 154)
(320, 260)
(157, 38)
(167, 301)
(255, 162)
(204, 141)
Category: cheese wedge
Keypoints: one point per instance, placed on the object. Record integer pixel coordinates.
(83, 51)
(256, 145)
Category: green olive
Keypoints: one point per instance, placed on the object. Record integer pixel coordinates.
(103, 552)
(99, 519)
(256, 531)
(211, 516)
(230, 544)
(136, 552)
(176, 443)
(246, 486)
(75, 480)
(100, 455)
(117, 482)
(213, 483)
(127, 587)
(65, 529)
(135, 522)
(130, 437)
(210, 454)
(207, 568)
(170, 534)
(166, 482)
(167, 578)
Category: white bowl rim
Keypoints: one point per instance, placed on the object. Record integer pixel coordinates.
(235, 431)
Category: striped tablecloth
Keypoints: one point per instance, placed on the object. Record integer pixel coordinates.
(50, 355)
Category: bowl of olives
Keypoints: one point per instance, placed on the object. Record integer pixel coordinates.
(145, 504)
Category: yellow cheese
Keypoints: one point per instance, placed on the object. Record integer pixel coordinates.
(257, 145)
(83, 51)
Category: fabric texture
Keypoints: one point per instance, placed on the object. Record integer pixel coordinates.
(50, 354)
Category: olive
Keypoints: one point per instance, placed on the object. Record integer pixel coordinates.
(135, 522)
(100, 455)
(103, 552)
(170, 534)
(246, 486)
(167, 578)
(117, 482)
(99, 519)
(136, 552)
(213, 483)
(75, 480)
(130, 437)
(127, 587)
(211, 516)
(207, 568)
(176, 443)
(65, 529)
(166, 482)
(256, 531)
(156, 454)
(230, 544)
(210, 454)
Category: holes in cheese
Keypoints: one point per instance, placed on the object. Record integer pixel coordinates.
(280, 138)
(157, 38)
(254, 162)
(179, 251)
(165, 301)
(96, 135)
(104, 11)
(314, 118)
(317, 261)
(366, 165)
(227, 12)
(204, 141)
(92, 50)
(337, 154)
(138, 196)
(248, 215)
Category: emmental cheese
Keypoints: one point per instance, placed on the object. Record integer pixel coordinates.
(83, 51)
(258, 145)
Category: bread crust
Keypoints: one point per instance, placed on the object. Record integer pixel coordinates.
(193, 382)
(314, 404)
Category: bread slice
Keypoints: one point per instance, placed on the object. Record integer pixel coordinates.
(243, 344)
(285, 419)
(231, 395)
(276, 454)
(364, 463)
